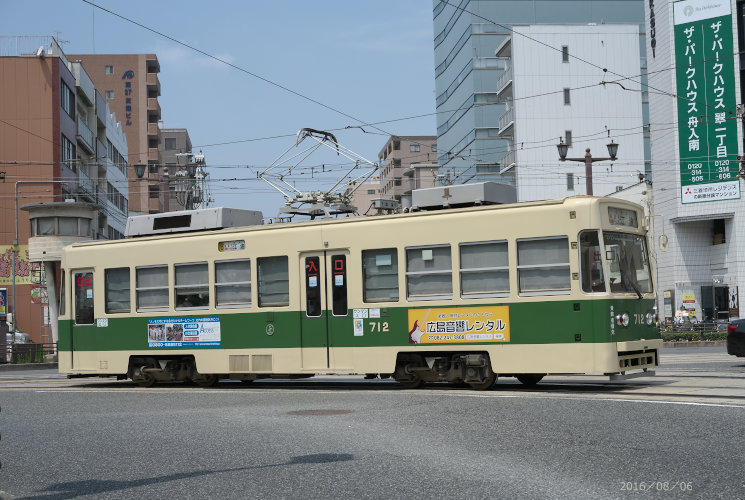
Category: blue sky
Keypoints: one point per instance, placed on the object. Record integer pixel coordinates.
(370, 60)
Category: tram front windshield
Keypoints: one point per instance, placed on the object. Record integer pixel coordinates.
(628, 263)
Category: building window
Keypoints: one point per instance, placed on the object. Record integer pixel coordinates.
(380, 275)
(170, 143)
(153, 191)
(68, 154)
(370, 191)
(718, 232)
(396, 145)
(429, 273)
(67, 100)
(108, 70)
(434, 148)
(414, 148)
(567, 99)
(568, 137)
(564, 53)
(109, 94)
(570, 182)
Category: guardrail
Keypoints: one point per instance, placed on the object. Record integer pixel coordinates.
(27, 353)
(694, 326)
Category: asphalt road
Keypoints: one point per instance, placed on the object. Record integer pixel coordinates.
(677, 435)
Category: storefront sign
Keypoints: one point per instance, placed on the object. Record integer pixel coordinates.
(707, 124)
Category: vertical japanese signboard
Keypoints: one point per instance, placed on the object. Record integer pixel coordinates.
(705, 76)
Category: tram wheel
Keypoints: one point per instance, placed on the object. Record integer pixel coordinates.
(145, 380)
(203, 380)
(484, 384)
(413, 382)
(529, 379)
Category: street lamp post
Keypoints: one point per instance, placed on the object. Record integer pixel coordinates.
(588, 160)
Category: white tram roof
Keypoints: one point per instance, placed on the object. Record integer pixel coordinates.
(572, 201)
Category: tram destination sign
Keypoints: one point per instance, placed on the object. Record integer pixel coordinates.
(705, 76)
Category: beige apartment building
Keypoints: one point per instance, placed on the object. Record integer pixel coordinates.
(396, 159)
(130, 85)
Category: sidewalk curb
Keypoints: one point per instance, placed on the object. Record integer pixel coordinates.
(27, 366)
(696, 343)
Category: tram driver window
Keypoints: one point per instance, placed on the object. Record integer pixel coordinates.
(83, 298)
(380, 275)
(591, 267)
(192, 286)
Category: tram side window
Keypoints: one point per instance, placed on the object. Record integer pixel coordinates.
(233, 283)
(152, 288)
(116, 287)
(591, 262)
(273, 281)
(543, 265)
(380, 275)
(191, 289)
(84, 298)
(484, 268)
(429, 273)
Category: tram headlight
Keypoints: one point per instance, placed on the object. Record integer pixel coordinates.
(650, 319)
(622, 319)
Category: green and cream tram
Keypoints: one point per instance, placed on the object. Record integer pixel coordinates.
(522, 290)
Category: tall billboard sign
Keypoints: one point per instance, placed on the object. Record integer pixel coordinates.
(707, 118)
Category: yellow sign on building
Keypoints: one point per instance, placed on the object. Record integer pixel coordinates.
(27, 273)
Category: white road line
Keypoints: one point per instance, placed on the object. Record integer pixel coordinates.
(409, 394)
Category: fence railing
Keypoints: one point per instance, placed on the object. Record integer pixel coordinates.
(27, 353)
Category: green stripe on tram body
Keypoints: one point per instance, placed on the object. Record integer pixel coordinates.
(551, 322)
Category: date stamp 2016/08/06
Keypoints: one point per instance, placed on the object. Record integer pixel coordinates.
(656, 485)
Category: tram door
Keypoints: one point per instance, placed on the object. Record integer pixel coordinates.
(82, 314)
(324, 314)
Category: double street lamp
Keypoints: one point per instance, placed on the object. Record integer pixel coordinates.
(588, 160)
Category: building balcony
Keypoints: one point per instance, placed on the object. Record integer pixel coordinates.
(507, 123)
(152, 81)
(507, 161)
(153, 155)
(153, 129)
(85, 185)
(85, 137)
(153, 107)
(504, 84)
(84, 84)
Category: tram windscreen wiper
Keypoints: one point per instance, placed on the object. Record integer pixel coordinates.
(628, 280)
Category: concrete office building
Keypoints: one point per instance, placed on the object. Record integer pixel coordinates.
(467, 33)
(130, 85)
(58, 141)
(550, 91)
(698, 201)
(186, 191)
